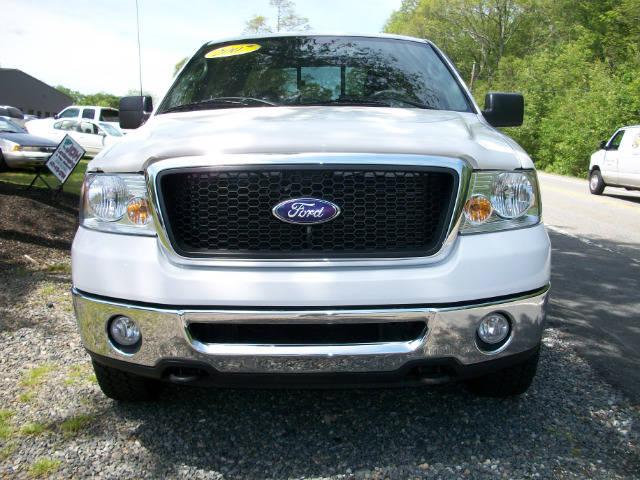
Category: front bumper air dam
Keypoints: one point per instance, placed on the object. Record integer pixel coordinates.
(448, 343)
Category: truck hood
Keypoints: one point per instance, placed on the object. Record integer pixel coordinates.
(214, 134)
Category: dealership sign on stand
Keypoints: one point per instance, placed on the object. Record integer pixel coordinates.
(62, 162)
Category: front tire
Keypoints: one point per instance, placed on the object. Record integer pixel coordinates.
(508, 382)
(126, 387)
(596, 183)
(3, 164)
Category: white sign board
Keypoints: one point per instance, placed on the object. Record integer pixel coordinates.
(65, 158)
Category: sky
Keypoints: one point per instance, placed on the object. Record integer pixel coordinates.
(91, 46)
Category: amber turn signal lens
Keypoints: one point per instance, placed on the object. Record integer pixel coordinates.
(139, 211)
(478, 209)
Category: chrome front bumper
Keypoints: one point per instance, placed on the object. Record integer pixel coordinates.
(450, 334)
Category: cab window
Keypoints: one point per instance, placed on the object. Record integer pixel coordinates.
(614, 143)
(70, 113)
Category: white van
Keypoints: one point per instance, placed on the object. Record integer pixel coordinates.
(617, 163)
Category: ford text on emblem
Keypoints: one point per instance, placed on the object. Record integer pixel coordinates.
(306, 211)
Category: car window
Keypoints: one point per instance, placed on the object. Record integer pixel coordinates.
(614, 143)
(111, 130)
(70, 113)
(67, 125)
(109, 115)
(87, 127)
(88, 113)
(9, 127)
(304, 70)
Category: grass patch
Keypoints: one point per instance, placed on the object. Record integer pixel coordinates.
(36, 376)
(75, 424)
(33, 429)
(44, 466)
(5, 415)
(77, 374)
(48, 290)
(6, 429)
(26, 397)
(24, 176)
(58, 268)
(7, 450)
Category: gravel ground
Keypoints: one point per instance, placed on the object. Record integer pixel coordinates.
(55, 422)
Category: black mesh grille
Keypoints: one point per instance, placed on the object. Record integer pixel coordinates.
(228, 211)
(306, 334)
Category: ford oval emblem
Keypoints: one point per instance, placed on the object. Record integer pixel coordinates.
(306, 211)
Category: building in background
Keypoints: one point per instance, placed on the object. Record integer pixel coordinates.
(30, 95)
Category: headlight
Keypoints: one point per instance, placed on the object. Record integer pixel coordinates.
(501, 201)
(8, 145)
(116, 203)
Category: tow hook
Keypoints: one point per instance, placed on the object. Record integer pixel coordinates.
(183, 377)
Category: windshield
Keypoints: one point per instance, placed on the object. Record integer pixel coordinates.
(8, 126)
(111, 130)
(301, 70)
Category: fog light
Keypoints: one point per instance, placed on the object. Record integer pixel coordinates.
(494, 329)
(124, 331)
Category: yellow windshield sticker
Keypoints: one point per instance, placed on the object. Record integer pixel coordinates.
(232, 50)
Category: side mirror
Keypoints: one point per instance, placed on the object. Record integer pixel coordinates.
(603, 145)
(504, 109)
(134, 111)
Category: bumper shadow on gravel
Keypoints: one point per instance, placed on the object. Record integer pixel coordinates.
(558, 426)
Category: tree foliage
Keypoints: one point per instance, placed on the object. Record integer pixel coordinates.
(287, 20)
(258, 24)
(102, 99)
(577, 63)
(179, 65)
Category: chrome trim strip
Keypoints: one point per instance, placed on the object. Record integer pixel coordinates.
(451, 333)
(309, 317)
(154, 167)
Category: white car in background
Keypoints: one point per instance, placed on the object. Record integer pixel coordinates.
(92, 136)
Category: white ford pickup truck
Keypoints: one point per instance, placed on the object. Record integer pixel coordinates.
(307, 209)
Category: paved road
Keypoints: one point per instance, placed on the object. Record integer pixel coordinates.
(596, 275)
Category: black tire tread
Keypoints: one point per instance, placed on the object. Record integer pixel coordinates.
(508, 382)
(600, 188)
(126, 387)
(3, 164)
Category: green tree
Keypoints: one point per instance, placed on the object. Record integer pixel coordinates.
(472, 32)
(77, 97)
(287, 20)
(258, 24)
(179, 65)
(102, 99)
(577, 64)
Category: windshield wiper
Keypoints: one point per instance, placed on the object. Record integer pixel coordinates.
(362, 102)
(397, 98)
(220, 102)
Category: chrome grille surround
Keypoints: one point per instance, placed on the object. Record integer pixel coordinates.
(459, 170)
